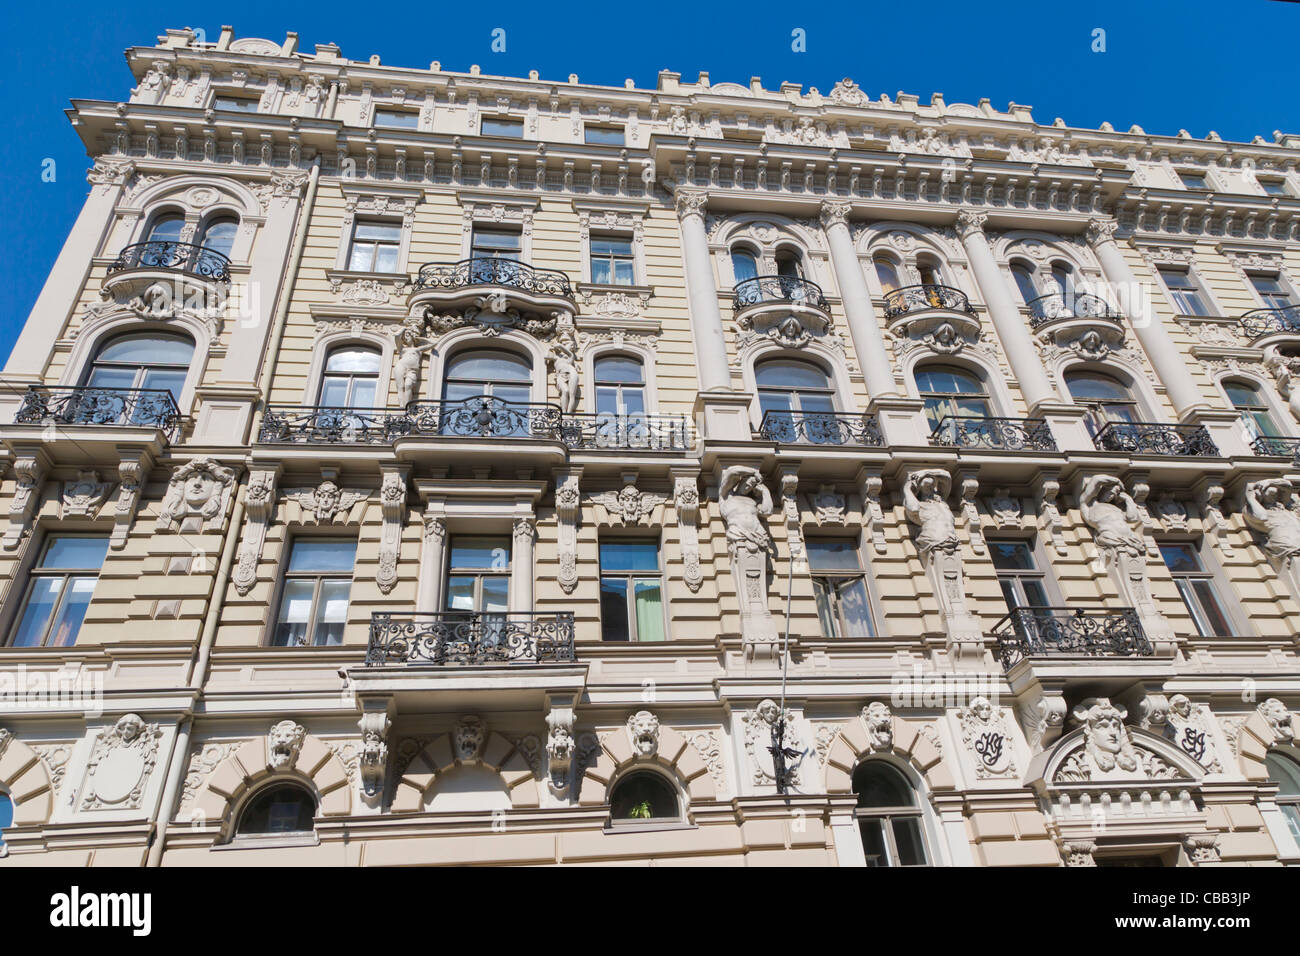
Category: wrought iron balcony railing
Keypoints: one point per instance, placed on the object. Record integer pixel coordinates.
(1071, 305)
(1261, 322)
(973, 431)
(918, 298)
(628, 432)
(127, 407)
(1279, 447)
(1089, 632)
(327, 425)
(468, 637)
(789, 289)
(820, 428)
(181, 256)
(1155, 438)
(483, 416)
(489, 270)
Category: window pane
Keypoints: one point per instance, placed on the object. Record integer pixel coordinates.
(887, 274)
(362, 256)
(1012, 556)
(334, 391)
(80, 553)
(41, 601)
(386, 259)
(879, 785)
(295, 613)
(397, 118)
(603, 136)
(600, 272)
(353, 360)
(382, 231)
(460, 594)
(743, 265)
(1024, 283)
(240, 104)
(363, 393)
(623, 272)
(219, 236)
(873, 841)
(619, 368)
(629, 556)
(331, 612)
(1180, 557)
(1285, 773)
(611, 247)
(501, 127)
(1090, 386)
(490, 366)
(482, 553)
(825, 607)
(148, 350)
(322, 555)
(67, 621)
(1207, 597)
(1035, 592)
(791, 375)
(833, 554)
(855, 608)
(166, 229)
(109, 378)
(487, 239)
(613, 609)
(496, 595)
(649, 610)
(907, 839)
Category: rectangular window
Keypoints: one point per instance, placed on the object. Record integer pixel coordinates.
(1194, 180)
(1183, 289)
(478, 576)
(398, 119)
(631, 591)
(840, 585)
(1196, 585)
(612, 262)
(59, 590)
(1273, 187)
(317, 584)
(375, 247)
(499, 126)
(495, 244)
(603, 135)
(238, 104)
(1271, 291)
(1023, 584)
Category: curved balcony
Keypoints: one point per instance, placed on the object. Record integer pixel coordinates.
(1278, 448)
(777, 290)
(1004, 434)
(1058, 307)
(1156, 438)
(492, 271)
(924, 298)
(1069, 632)
(454, 638)
(170, 256)
(115, 407)
(1266, 323)
(820, 428)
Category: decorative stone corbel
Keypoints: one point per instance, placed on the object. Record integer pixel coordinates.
(1202, 848)
(870, 484)
(83, 497)
(1213, 522)
(568, 500)
(1042, 717)
(1279, 720)
(197, 496)
(29, 471)
(392, 501)
(373, 762)
(131, 473)
(1140, 488)
(969, 487)
(686, 498)
(259, 508)
(560, 742)
(1006, 510)
(1079, 853)
(1049, 514)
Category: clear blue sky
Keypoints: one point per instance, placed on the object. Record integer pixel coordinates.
(1192, 64)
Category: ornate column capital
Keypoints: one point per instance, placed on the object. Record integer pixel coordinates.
(1100, 231)
(835, 212)
(110, 172)
(969, 223)
(691, 202)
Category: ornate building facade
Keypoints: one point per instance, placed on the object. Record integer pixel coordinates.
(407, 466)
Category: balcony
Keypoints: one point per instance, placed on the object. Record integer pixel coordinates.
(1278, 448)
(172, 256)
(1155, 438)
(451, 638)
(777, 290)
(478, 417)
(492, 271)
(820, 428)
(114, 407)
(1029, 632)
(924, 298)
(1058, 307)
(1266, 323)
(1008, 434)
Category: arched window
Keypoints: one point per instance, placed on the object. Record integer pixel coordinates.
(889, 817)
(1024, 277)
(219, 235)
(1106, 397)
(1250, 403)
(950, 392)
(789, 263)
(887, 273)
(486, 393)
(1285, 772)
(620, 385)
(6, 816)
(281, 809)
(644, 796)
(929, 271)
(351, 378)
(153, 362)
(1063, 279)
(744, 264)
(167, 228)
(790, 385)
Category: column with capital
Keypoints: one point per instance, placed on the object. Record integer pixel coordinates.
(1065, 420)
(433, 558)
(721, 412)
(521, 564)
(1190, 405)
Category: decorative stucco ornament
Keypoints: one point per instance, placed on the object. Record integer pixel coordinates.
(83, 497)
(120, 764)
(644, 728)
(1107, 751)
(283, 744)
(196, 497)
(1279, 720)
(758, 742)
(986, 735)
(745, 504)
(878, 722)
(468, 738)
(1188, 726)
